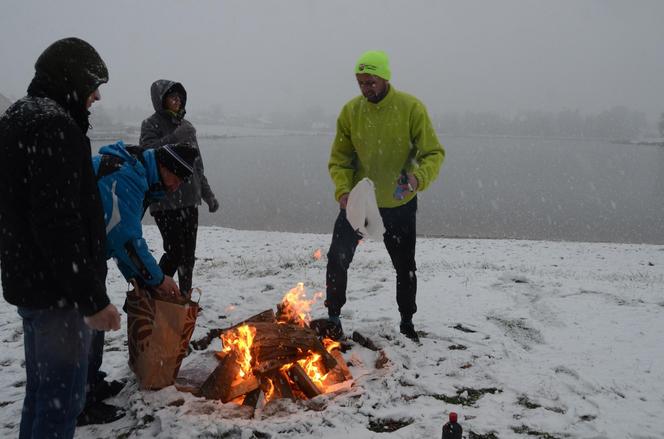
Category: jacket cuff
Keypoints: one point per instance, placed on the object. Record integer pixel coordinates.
(94, 303)
(420, 182)
(159, 281)
(339, 192)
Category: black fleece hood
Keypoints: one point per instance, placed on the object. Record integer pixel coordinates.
(68, 71)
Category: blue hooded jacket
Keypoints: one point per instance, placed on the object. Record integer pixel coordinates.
(127, 183)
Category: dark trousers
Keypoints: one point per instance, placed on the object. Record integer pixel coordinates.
(56, 343)
(178, 228)
(95, 358)
(399, 239)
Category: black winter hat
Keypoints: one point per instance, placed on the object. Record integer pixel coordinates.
(178, 158)
(75, 64)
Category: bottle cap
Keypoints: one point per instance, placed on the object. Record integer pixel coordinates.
(453, 417)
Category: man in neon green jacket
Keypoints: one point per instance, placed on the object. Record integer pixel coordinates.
(387, 136)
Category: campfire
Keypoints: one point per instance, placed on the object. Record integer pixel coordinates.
(276, 355)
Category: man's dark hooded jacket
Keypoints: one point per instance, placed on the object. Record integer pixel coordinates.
(52, 235)
(163, 128)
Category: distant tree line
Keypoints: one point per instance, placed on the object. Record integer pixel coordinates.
(616, 123)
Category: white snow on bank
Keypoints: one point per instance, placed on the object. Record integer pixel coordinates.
(567, 342)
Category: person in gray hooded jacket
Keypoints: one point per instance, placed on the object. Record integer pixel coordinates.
(177, 214)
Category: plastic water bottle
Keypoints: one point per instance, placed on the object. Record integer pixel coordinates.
(402, 186)
(452, 429)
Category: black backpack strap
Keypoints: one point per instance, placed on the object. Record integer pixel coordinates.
(108, 165)
(137, 153)
(111, 163)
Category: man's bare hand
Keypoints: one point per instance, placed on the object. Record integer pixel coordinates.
(412, 183)
(108, 319)
(168, 287)
(406, 184)
(343, 200)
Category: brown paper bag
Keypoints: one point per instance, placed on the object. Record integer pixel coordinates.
(158, 331)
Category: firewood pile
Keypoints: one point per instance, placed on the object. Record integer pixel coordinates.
(271, 356)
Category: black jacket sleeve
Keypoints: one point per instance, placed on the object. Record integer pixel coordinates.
(58, 217)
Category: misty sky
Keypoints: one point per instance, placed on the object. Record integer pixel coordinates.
(265, 56)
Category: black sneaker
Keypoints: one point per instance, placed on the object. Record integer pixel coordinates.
(318, 325)
(325, 328)
(408, 330)
(104, 390)
(334, 331)
(99, 413)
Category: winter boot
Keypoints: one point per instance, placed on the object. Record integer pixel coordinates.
(334, 329)
(99, 413)
(407, 329)
(104, 390)
(328, 328)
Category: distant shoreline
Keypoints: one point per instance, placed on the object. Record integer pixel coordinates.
(451, 237)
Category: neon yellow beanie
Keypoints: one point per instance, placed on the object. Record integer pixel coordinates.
(374, 62)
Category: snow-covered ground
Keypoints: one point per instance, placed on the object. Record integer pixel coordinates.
(521, 338)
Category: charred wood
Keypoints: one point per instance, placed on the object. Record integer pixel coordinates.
(218, 384)
(252, 398)
(276, 385)
(382, 360)
(364, 341)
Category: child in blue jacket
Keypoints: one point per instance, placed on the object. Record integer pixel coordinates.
(129, 178)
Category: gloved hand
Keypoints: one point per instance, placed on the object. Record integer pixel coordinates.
(185, 132)
(213, 204)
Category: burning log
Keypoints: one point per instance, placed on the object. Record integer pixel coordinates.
(276, 385)
(278, 356)
(294, 308)
(192, 375)
(341, 371)
(265, 316)
(241, 387)
(224, 384)
(275, 345)
(303, 382)
(219, 383)
(204, 342)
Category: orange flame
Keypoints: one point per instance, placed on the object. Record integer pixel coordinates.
(311, 367)
(330, 344)
(317, 255)
(240, 340)
(269, 393)
(295, 307)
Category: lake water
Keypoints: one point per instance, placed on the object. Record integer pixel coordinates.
(488, 187)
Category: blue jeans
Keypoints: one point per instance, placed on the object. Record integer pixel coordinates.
(56, 364)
